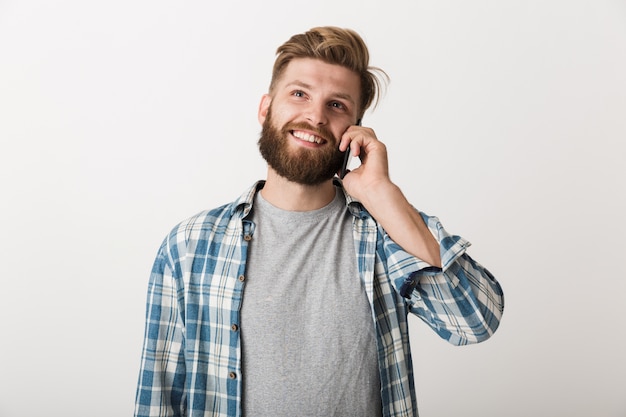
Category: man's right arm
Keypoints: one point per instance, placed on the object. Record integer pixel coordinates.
(161, 386)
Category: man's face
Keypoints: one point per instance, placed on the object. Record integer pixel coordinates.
(309, 109)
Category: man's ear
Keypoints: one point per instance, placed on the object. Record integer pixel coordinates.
(264, 107)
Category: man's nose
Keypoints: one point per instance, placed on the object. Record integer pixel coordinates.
(316, 114)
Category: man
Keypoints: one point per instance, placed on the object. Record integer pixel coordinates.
(293, 299)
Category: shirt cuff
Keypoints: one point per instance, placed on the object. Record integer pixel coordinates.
(405, 270)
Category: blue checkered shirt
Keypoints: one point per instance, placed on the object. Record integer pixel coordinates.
(191, 360)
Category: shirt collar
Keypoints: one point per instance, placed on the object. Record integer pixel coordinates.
(243, 204)
(355, 206)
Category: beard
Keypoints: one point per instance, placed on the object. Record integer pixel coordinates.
(302, 165)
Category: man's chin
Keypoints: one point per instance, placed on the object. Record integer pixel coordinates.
(309, 181)
(304, 175)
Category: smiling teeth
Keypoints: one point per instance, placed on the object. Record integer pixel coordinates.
(308, 137)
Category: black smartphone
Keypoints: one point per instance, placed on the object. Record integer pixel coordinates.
(346, 158)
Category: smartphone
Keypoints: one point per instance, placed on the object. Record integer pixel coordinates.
(346, 158)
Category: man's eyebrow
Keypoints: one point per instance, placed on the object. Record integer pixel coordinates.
(299, 83)
(302, 84)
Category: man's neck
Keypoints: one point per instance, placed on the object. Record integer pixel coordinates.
(291, 196)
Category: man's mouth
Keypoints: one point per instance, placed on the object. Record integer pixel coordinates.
(308, 137)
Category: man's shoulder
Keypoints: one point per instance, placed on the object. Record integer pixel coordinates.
(218, 218)
(207, 218)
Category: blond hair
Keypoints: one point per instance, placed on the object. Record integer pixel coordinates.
(338, 46)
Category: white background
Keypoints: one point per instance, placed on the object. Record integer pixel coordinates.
(506, 119)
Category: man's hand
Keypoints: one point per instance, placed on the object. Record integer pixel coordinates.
(373, 171)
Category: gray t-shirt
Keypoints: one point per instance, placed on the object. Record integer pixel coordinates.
(308, 337)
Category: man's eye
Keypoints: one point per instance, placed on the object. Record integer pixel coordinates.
(298, 93)
(337, 105)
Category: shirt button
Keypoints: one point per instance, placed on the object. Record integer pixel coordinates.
(234, 327)
(247, 238)
(232, 375)
(242, 278)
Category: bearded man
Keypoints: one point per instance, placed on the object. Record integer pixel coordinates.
(293, 300)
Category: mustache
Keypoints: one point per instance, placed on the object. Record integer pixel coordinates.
(320, 131)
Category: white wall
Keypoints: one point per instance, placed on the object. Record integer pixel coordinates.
(505, 119)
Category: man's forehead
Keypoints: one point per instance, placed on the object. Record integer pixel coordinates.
(315, 74)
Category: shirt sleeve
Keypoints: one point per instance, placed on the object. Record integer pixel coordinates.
(462, 301)
(161, 386)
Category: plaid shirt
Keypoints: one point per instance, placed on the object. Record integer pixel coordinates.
(191, 361)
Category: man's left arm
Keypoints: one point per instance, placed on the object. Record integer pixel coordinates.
(370, 184)
(461, 300)
(443, 285)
